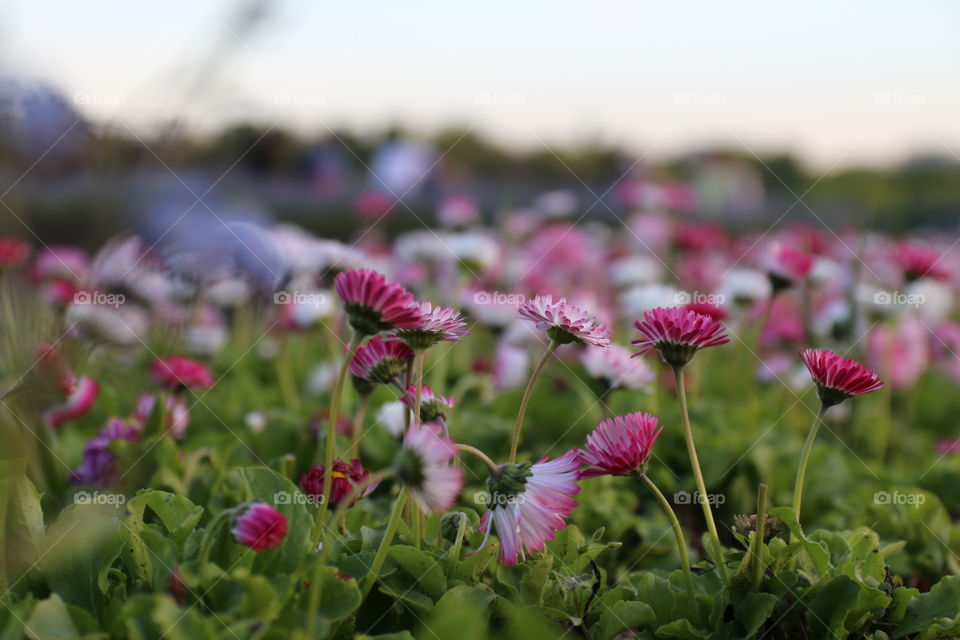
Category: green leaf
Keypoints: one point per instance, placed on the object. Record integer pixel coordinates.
(940, 604)
(625, 615)
(841, 605)
(754, 610)
(424, 570)
(339, 598)
(683, 629)
(179, 516)
(50, 620)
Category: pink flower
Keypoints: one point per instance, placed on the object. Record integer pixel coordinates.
(373, 204)
(436, 324)
(948, 445)
(901, 354)
(380, 361)
(838, 378)
(373, 304)
(346, 477)
(529, 504)
(423, 466)
(457, 210)
(918, 261)
(709, 309)
(787, 266)
(617, 368)
(98, 467)
(176, 372)
(677, 333)
(82, 396)
(178, 417)
(13, 252)
(621, 445)
(260, 527)
(564, 323)
(433, 406)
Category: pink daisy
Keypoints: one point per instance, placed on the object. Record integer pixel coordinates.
(838, 378)
(346, 477)
(617, 368)
(433, 406)
(178, 416)
(787, 266)
(82, 396)
(423, 466)
(181, 373)
(437, 324)
(529, 503)
(260, 527)
(13, 252)
(677, 333)
(918, 261)
(564, 323)
(373, 304)
(380, 361)
(621, 445)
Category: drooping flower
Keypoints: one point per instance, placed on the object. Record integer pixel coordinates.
(564, 323)
(181, 373)
(838, 378)
(98, 467)
(621, 445)
(617, 368)
(379, 361)
(436, 324)
(13, 252)
(178, 416)
(678, 334)
(918, 261)
(433, 406)
(373, 304)
(422, 466)
(346, 477)
(260, 527)
(529, 503)
(83, 394)
(787, 266)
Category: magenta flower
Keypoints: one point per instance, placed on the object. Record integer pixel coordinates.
(181, 373)
(260, 527)
(380, 361)
(433, 406)
(838, 378)
(82, 396)
(423, 466)
(437, 324)
(621, 445)
(529, 503)
(98, 467)
(787, 266)
(178, 416)
(13, 252)
(373, 304)
(346, 477)
(918, 261)
(677, 333)
(564, 323)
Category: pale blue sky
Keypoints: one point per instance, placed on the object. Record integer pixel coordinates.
(844, 82)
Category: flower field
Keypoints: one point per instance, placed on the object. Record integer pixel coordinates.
(522, 426)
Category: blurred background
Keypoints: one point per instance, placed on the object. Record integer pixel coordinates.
(163, 118)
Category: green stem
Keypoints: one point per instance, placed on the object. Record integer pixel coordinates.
(479, 454)
(515, 437)
(756, 546)
(677, 531)
(458, 543)
(285, 377)
(381, 556)
(804, 459)
(697, 473)
(418, 358)
(357, 426)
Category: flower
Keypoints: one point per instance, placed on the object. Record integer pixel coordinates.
(564, 323)
(177, 372)
(621, 445)
(787, 266)
(436, 324)
(98, 467)
(379, 361)
(178, 417)
(422, 466)
(433, 406)
(260, 527)
(918, 261)
(838, 378)
(83, 394)
(677, 333)
(714, 311)
(615, 366)
(345, 478)
(13, 252)
(373, 304)
(529, 504)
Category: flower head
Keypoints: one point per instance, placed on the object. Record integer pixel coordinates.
(260, 527)
(918, 261)
(13, 252)
(98, 467)
(787, 266)
(433, 406)
(437, 324)
(615, 366)
(564, 323)
(379, 361)
(838, 378)
(82, 396)
(345, 478)
(621, 445)
(373, 304)
(181, 373)
(529, 504)
(178, 416)
(677, 333)
(422, 466)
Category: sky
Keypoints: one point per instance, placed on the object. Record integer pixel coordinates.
(838, 83)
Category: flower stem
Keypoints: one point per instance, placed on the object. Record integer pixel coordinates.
(418, 358)
(458, 542)
(804, 459)
(381, 556)
(479, 454)
(357, 426)
(515, 437)
(285, 378)
(756, 547)
(677, 531)
(697, 473)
